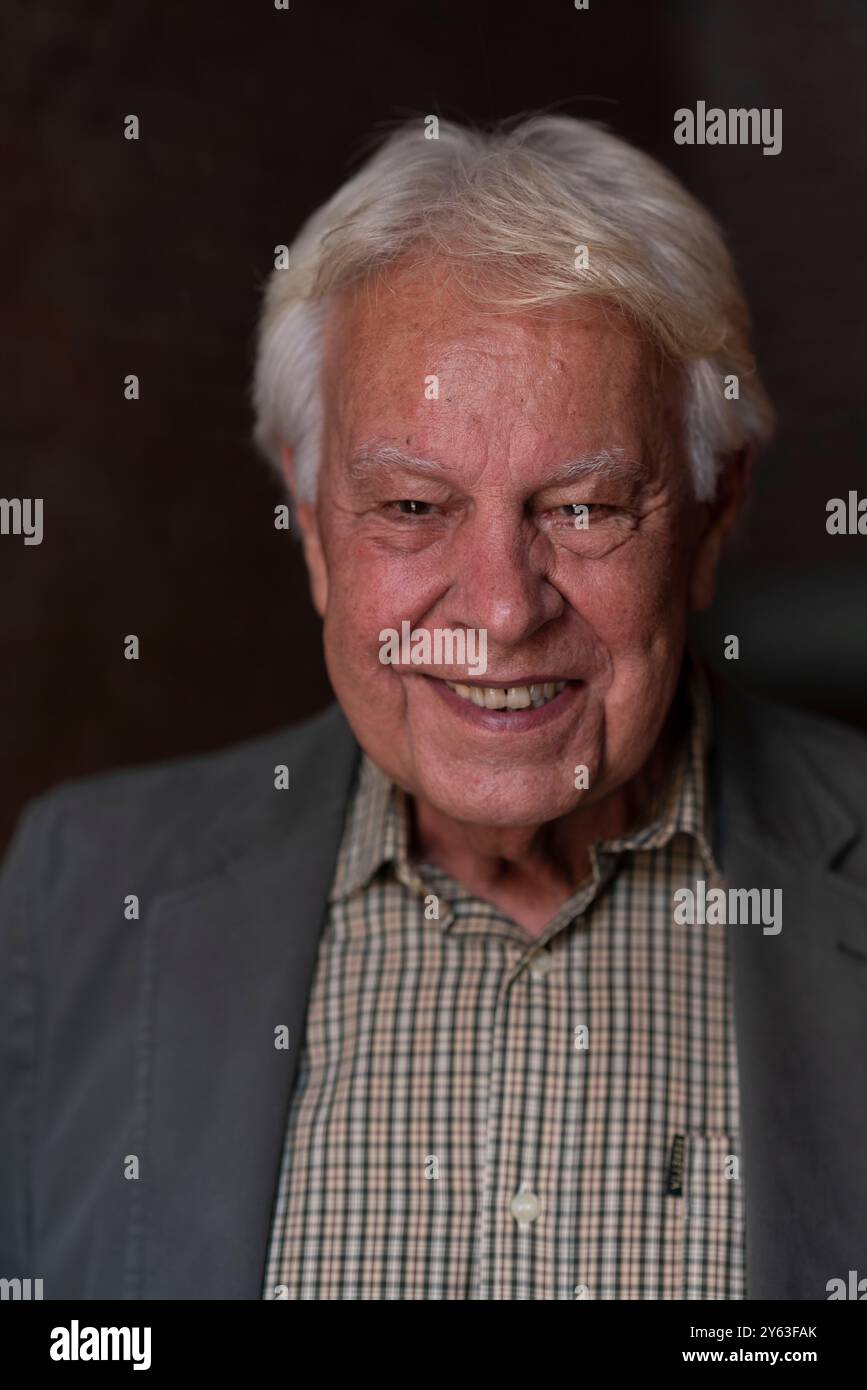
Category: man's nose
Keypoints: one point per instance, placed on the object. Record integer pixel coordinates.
(499, 582)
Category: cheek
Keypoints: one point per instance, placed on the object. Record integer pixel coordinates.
(632, 597)
(367, 592)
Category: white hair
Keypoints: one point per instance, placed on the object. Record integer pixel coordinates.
(519, 201)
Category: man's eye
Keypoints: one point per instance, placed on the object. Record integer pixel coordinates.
(411, 507)
(580, 509)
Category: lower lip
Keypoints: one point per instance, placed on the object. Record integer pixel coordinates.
(513, 721)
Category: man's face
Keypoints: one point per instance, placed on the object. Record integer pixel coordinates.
(482, 535)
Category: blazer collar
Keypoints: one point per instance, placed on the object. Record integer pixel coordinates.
(771, 789)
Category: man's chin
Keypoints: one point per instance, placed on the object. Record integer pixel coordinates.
(515, 803)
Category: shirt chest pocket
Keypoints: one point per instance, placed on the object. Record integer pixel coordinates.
(707, 1170)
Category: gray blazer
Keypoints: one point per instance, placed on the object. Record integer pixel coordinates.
(154, 1038)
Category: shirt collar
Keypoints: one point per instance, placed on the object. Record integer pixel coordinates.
(378, 821)
(376, 833)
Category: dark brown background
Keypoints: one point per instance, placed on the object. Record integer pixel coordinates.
(149, 258)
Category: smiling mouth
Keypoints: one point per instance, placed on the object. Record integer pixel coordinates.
(498, 697)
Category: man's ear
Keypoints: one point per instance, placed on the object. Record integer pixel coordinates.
(308, 526)
(720, 517)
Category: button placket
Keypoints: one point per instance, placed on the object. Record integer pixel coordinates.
(490, 1212)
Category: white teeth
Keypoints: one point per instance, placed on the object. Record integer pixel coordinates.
(515, 697)
(495, 698)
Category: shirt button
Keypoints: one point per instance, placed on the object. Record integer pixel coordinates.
(525, 1206)
(540, 963)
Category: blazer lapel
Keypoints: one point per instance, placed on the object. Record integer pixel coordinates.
(228, 962)
(800, 1016)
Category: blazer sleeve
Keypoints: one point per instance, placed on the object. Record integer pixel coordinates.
(21, 883)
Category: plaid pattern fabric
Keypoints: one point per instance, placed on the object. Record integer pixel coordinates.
(478, 1115)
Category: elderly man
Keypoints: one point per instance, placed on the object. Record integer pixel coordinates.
(537, 976)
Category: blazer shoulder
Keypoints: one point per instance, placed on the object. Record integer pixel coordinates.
(804, 773)
(182, 813)
(838, 748)
(188, 774)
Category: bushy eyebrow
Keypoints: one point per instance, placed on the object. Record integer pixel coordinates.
(611, 464)
(371, 459)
